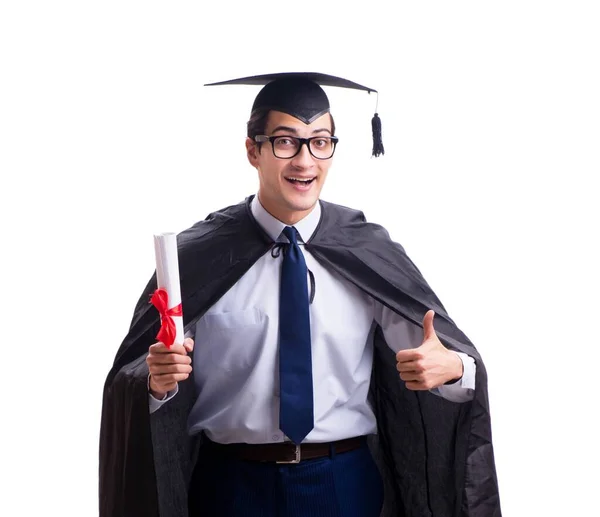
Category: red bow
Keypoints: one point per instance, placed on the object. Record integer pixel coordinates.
(167, 332)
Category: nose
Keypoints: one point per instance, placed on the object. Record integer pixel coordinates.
(303, 160)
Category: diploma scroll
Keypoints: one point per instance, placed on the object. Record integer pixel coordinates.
(167, 298)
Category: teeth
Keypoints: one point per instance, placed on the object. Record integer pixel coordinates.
(303, 180)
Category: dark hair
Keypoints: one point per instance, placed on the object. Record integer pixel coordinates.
(258, 123)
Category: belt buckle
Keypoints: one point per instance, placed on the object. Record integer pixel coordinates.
(297, 457)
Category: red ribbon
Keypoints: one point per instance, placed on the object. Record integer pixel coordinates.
(167, 332)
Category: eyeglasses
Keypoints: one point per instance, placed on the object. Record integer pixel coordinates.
(321, 147)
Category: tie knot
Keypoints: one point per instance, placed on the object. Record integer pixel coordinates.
(291, 233)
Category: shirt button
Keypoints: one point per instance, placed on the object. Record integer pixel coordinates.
(275, 437)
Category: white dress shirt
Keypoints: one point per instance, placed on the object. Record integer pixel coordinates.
(235, 362)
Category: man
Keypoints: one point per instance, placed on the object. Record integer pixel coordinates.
(312, 331)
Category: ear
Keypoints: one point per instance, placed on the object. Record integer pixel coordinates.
(252, 152)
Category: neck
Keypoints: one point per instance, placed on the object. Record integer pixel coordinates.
(286, 216)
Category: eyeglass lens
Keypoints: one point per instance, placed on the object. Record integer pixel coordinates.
(287, 147)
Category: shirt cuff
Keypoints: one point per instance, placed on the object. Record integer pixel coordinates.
(468, 377)
(463, 389)
(154, 403)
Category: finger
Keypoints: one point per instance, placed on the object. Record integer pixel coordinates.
(178, 349)
(416, 386)
(168, 359)
(161, 380)
(188, 344)
(163, 369)
(411, 377)
(410, 366)
(411, 354)
(160, 348)
(428, 330)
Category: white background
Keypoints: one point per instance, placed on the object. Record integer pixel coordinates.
(491, 123)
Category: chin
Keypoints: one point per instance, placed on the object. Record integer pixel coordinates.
(303, 204)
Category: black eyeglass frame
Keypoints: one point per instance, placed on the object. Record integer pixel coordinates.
(265, 138)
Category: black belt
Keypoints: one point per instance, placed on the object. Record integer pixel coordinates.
(285, 452)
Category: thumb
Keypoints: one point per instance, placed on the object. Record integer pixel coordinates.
(428, 330)
(188, 344)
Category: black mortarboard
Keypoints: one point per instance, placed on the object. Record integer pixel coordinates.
(299, 94)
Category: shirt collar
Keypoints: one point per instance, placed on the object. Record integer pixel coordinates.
(274, 227)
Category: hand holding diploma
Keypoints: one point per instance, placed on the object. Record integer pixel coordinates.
(167, 359)
(168, 366)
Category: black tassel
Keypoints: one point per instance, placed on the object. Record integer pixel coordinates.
(377, 143)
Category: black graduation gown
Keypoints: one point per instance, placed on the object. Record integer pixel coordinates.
(436, 456)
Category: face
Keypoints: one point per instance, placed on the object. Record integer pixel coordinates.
(280, 192)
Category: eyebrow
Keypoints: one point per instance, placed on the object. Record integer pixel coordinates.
(293, 130)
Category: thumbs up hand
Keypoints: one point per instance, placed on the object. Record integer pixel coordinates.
(431, 364)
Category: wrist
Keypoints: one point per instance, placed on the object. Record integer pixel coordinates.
(156, 393)
(458, 369)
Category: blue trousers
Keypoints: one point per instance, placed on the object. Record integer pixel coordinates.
(339, 485)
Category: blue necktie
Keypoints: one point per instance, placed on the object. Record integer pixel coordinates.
(296, 418)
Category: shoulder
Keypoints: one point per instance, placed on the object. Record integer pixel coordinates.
(342, 214)
(352, 223)
(233, 221)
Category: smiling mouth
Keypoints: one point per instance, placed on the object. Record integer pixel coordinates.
(301, 181)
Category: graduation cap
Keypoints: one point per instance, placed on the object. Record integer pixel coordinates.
(300, 95)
